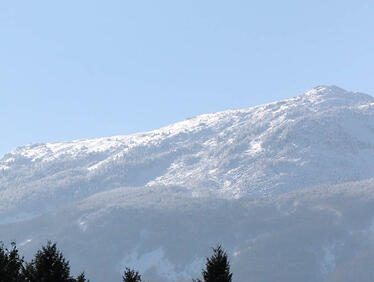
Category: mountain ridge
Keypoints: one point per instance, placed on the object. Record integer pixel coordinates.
(316, 92)
(325, 136)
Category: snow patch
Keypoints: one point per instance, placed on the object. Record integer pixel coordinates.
(24, 243)
(328, 262)
(158, 261)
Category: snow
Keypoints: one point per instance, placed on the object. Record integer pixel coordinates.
(328, 263)
(157, 260)
(24, 243)
(166, 234)
(323, 136)
(154, 201)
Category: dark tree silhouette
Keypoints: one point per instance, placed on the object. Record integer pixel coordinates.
(217, 267)
(11, 264)
(131, 275)
(81, 278)
(49, 265)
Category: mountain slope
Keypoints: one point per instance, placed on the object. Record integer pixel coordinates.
(268, 182)
(322, 234)
(324, 136)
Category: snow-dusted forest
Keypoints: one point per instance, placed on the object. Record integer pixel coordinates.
(290, 179)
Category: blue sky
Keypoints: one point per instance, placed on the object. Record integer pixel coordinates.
(83, 69)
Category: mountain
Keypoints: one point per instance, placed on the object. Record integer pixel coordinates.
(290, 179)
(324, 136)
(323, 233)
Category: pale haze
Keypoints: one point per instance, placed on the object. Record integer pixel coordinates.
(84, 69)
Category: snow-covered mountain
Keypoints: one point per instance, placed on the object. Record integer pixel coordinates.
(145, 199)
(324, 136)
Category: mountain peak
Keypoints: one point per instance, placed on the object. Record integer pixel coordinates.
(332, 96)
(327, 89)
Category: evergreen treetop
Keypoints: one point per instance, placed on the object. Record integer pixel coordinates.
(49, 265)
(131, 275)
(11, 264)
(217, 267)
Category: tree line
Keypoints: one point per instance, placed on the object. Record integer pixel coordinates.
(49, 265)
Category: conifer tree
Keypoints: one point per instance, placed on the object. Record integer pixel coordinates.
(131, 275)
(217, 267)
(82, 278)
(49, 265)
(11, 264)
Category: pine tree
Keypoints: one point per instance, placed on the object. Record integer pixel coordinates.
(11, 264)
(49, 265)
(131, 275)
(82, 278)
(217, 267)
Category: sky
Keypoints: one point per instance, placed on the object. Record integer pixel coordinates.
(85, 69)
